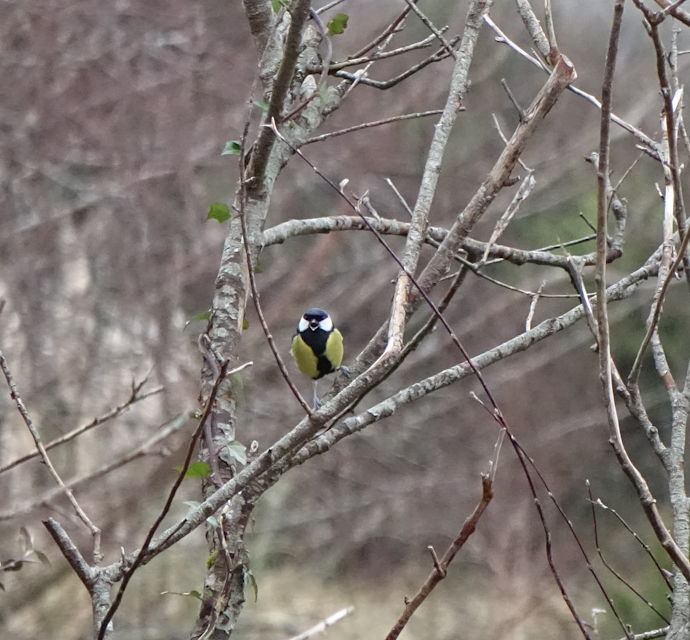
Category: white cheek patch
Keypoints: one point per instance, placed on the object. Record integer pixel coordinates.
(326, 324)
(303, 325)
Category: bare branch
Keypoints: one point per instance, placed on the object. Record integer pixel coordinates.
(533, 27)
(376, 123)
(387, 84)
(608, 566)
(677, 12)
(386, 408)
(264, 144)
(562, 76)
(437, 33)
(606, 375)
(379, 55)
(71, 553)
(388, 31)
(432, 169)
(147, 448)
(649, 145)
(441, 566)
(324, 624)
(95, 531)
(135, 397)
(138, 560)
(434, 235)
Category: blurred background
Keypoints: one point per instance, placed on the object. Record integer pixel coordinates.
(112, 119)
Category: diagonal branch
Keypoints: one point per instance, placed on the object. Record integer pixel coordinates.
(441, 566)
(604, 340)
(458, 88)
(95, 531)
(264, 144)
(136, 396)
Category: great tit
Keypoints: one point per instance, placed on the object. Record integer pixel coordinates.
(317, 347)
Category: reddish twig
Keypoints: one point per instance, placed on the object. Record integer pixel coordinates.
(441, 566)
(242, 195)
(166, 508)
(609, 567)
(389, 30)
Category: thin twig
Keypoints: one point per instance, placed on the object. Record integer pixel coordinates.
(441, 54)
(522, 193)
(144, 449)
(650, 635)
(441, 566)
(533, 306)
(14, 393)
(168, 503)
(677, 12)
(550, 33)
(604, 340)
(380, 55)
(399, 195)
(328, 6)
(641, 136)
(375, 123)
(672, 7)
(324, 624)
(252, 282)
(388, 31)
(432, 169)
(439, 35)
(609, 567)
(111, 415)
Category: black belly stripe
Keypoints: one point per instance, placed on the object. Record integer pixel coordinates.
(324, 366)
(317, 340)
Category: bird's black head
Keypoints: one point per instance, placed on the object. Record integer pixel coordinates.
(315, 319)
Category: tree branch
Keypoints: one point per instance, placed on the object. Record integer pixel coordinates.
(441, 567)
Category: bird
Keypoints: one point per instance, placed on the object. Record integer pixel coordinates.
(317, 348)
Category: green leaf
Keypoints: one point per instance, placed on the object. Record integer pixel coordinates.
(202, 316)
(13, 565)
(338, 24)
(238, 451)
(218, 211)
(263, 106)
(211, 559)
(232, 148)
(196, 470)
(277, 4)
(212, 521)
(42, 557)
(249, 576)
(245, 324)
